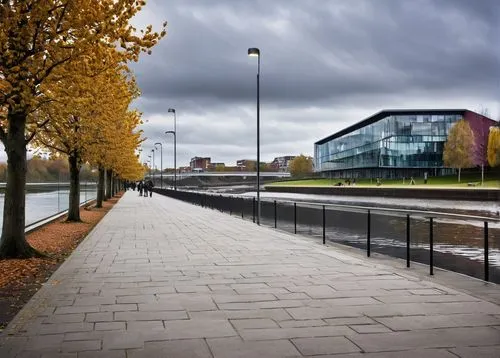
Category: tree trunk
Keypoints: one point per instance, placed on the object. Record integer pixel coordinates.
(100, 188)
(109, 178)
(74, 188)
(459, 174)
(13, 242)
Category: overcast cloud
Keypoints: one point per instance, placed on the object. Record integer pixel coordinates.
(324, 65)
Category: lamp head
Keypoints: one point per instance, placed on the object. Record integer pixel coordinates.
(171, 110)
(253, 51)
(170, 132)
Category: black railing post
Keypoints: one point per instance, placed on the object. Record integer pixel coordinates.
(368, 234)
(431, 245)
(242, 206)
(275, 215)
(294, 218)
(253, 209)
(230, 202)
(407, 240)
(324, 224)
(486, 253)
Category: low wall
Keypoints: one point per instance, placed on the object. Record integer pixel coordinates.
(415, 193)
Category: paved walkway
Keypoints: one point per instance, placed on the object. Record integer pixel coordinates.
(162, 278)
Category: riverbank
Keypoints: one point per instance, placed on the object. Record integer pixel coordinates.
(21, 279)
(446, 193)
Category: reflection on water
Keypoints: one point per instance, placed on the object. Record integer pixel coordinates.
(43, 204)
(489, 208)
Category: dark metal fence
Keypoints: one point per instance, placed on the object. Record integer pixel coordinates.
(461, 243)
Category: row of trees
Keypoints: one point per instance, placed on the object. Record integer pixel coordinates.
(461, 150)
(65, 86)
(39, 170)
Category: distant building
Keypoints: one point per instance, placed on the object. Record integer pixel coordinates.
(216, 166)
(282, 164)
(246, 164)
(395, 144)
(184, 169)
(199, 163)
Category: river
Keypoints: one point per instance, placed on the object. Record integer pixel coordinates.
(47, 199)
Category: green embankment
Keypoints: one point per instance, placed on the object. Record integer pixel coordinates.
(490, 181)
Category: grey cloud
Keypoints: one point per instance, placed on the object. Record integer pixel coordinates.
(324, 52)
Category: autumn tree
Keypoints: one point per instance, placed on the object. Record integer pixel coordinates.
(87, 96)
(457, 151)
(494, 146)
(35, 39)
(301, 166)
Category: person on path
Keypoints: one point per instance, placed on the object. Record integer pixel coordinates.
(140, 187)
(150, 186)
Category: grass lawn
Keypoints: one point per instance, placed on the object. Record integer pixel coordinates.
(491, 182)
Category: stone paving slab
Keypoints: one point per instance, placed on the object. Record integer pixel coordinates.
(161, 278)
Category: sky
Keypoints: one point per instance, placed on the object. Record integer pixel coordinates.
(324, 65)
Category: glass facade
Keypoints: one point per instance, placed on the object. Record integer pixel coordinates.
(394, 146)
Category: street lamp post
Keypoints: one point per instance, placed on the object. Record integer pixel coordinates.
(175, 169)
(161, 164)
(172, 110)
(255, 52)
(149, 164)
(153, 151)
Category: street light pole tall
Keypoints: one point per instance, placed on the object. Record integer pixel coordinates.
(172, 110)
(255, 52)
(153, 151)
(161, 164)
(175, 176)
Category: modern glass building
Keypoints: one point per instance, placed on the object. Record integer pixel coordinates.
(394, 144)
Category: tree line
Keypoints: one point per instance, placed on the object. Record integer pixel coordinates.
(39, 170)
(66, 87)
(464, 149)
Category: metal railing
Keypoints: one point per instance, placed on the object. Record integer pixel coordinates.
(407, 234)
(44, 200)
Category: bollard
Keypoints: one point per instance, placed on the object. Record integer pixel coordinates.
(368, 233)
(324, 224)
(431, 246)
(295, 217)
(486, 253)
(407, 240)
(275, 215)
(253, 209)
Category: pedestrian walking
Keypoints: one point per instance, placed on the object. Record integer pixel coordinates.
(150, 186)
(140, 187)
